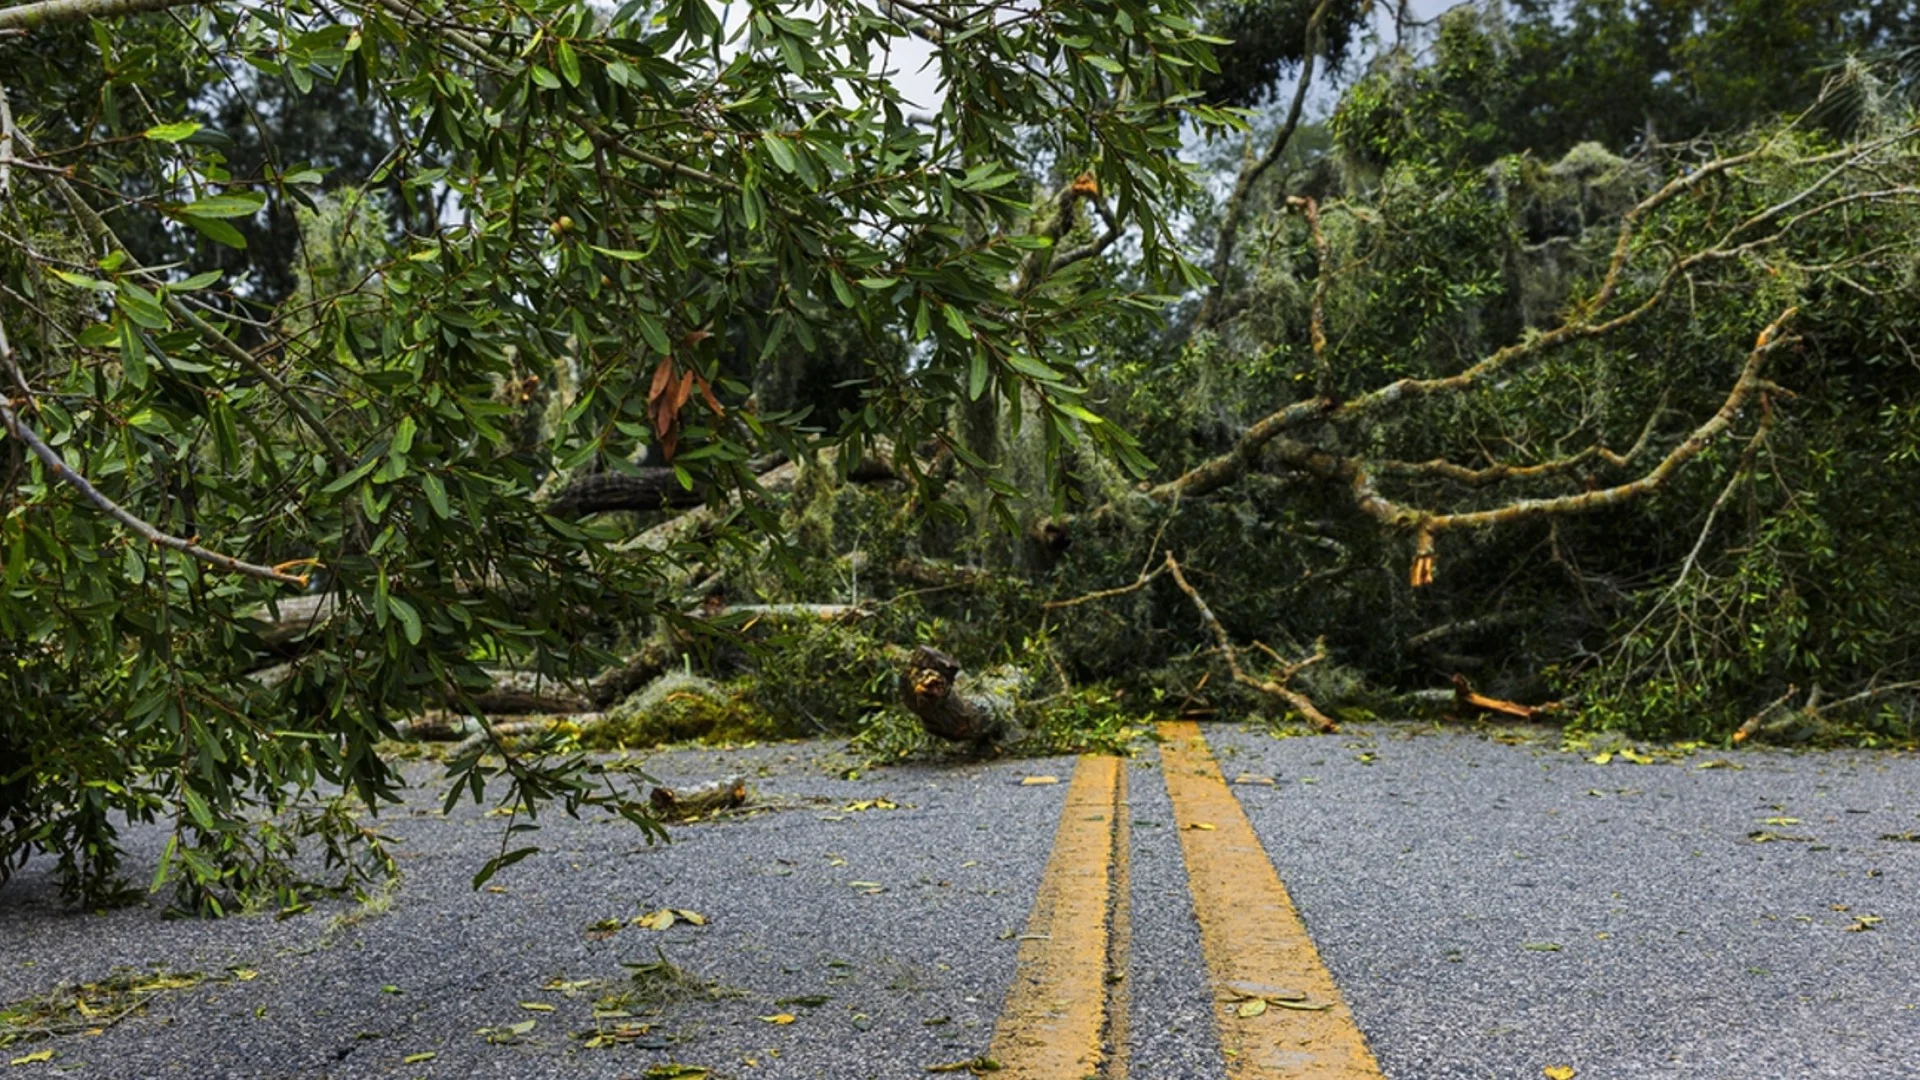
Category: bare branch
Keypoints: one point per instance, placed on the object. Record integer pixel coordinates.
(1104, 594)
(1744, 388)
(1317, 319)
(27, 17)
(1295, 700)
(1494, 474)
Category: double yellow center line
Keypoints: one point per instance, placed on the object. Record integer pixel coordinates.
(1065, 1014)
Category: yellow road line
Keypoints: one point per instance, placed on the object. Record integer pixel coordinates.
(1055, 1013)
(1120, 931)
(1251, 934)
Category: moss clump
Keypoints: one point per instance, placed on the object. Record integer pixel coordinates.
(678, 707)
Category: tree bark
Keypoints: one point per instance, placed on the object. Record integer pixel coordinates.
(652, 488)
(930, 687)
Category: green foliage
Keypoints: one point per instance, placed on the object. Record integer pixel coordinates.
(1089, 719)
(1802, 576)
(621, 203)
(1546, 75)
(1262, 37)
(816, 677)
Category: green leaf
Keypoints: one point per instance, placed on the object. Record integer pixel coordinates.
(563, 55)
(172, 133)
(409, 618)
(217, 231)
(653, 332)
(81, 281)
(977, 375)
(619, 253)
(1027, 365)
(495, 865)
(781, 153)
(547, 80)
(436, 496)
(197, 281)
(237, 205)
(197, 809)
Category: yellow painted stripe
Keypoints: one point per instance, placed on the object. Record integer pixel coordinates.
(1251, 933)
(1120, 931)
(1056, 1010)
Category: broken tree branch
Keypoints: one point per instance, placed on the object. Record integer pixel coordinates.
(1744, 388)
(1586, 323)
(17, 426)
(1275, 687)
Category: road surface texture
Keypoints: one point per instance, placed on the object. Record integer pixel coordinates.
(1475, 907)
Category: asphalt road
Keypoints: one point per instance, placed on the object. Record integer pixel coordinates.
(1486, 910)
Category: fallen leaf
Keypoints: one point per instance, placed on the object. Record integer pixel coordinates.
(1542, 946)
(1602, 757)
(415, 1059)
(976, 1066)
(1558, 1072)
(1203, 826)
(779, 1018)
(656, 920)
(1238, 991)
(675, 1071)
(1637, 757)
(536, 1006)
(1301, 1006)
(34, 1058)
(1781, 821)
(245, 974)
(1905, 837)
(1718, 763)
(1031, 781)
(1863, 923)
(1254, 778)
(1251, 1008)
